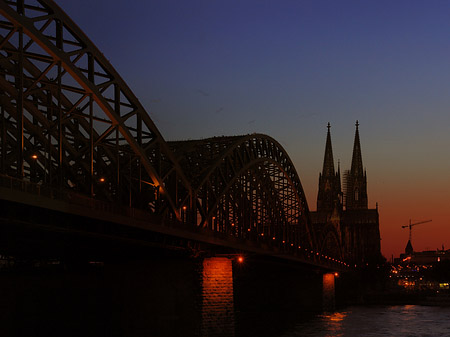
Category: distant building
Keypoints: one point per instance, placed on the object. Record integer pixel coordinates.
(425, 257)
(356, 226)
(430, 256)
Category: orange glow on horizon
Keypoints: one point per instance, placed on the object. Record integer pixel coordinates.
(415, 199)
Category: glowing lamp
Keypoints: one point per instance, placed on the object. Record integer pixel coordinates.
(34, 156)
(240, 259)
(102, 180)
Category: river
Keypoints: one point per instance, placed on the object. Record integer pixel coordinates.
(375, 321)
(129, 299)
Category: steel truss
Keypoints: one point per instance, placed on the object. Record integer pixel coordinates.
(247, 187)
(68, 119)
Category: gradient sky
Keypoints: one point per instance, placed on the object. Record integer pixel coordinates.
(285, 69)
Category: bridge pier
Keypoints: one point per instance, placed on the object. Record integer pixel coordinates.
(252, 297)
(217, 297)
(328, 292)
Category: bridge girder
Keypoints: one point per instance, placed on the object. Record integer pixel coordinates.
(69, 119)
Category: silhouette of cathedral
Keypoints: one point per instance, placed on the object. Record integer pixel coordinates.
(356, 227)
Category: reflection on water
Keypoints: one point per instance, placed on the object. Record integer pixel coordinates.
(335, 317)
(333, 322)
(407, 320)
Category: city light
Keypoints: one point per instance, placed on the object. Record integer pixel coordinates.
(240, 259)
(34, 156)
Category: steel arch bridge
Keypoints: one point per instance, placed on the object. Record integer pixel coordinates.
(246, 186)
(69, 122)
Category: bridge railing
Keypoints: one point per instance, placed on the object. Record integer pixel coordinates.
(37, 189)
(29, 187)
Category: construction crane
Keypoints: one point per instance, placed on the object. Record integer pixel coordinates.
(411, 225)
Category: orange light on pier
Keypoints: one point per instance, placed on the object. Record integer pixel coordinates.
(328, 292)
(336, 274)
(34, 156)
(217, 297)
(102, 180)
(240, 259)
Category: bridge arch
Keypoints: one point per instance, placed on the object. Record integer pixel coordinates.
(71, 121)
(247, 187)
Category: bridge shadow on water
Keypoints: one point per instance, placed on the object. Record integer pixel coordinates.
(111, 299)
(160, 297)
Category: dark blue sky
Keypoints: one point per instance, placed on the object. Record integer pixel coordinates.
(286, 68)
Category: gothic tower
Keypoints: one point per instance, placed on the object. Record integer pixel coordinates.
(329, 195)
(356, 179)
(356, 226)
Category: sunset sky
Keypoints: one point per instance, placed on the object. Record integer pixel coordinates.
(286, 69)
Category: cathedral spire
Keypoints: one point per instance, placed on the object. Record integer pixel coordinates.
(328, 162)
(356, 180)
(357, 165)
(329, 194)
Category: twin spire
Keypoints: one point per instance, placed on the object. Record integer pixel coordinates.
(328, 162)
(330, 194)
(357, 166)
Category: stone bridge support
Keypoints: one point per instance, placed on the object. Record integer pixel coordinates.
(217, 297)
(328, 292)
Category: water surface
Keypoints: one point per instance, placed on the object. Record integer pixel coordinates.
(404, 320)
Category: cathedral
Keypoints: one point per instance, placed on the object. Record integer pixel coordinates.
(344, 207)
